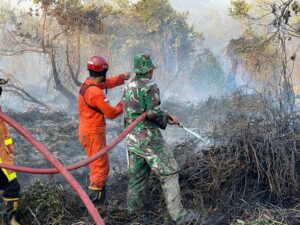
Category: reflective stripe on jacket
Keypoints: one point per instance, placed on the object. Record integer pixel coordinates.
(5, 157)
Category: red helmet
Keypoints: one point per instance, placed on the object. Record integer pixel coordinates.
(97, 63)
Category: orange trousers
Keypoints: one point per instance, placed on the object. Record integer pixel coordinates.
(99, 169)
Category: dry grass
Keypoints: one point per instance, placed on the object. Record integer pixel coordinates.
(249, 174)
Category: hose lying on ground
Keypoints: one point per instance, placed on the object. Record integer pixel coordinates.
(59, 168)
(78, 164)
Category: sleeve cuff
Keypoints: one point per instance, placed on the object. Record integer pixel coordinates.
(123, 77)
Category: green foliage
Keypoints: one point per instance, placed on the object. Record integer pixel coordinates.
(154, 14)
(44, 3)
(117, 29)
(152, 26)
(239, 9)
(51, 203)
(73, 14)
(296, 7)
(106, 10)
(45, 197)
(158, 14)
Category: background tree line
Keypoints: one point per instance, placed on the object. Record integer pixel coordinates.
(64, 33)
(268, 47)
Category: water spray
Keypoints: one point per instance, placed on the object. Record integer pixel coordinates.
(191, 132)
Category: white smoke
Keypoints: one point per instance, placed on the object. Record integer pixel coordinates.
(211, 18)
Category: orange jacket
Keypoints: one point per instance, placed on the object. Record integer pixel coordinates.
(6, 150)
(90, 120)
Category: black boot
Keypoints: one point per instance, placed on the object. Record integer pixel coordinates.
(9, 209)
(97, 196)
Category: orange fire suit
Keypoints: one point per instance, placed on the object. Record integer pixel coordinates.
(8, 178)
(92, 125)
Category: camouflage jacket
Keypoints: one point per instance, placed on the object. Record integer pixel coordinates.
(142, 95)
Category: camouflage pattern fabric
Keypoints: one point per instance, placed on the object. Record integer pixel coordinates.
(143, 64)
(146, 147)
(142, 95)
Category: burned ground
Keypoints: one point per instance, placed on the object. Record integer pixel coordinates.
(248, 172)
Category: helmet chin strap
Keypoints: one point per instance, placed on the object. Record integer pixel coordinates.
(96, 75)
(105, 85)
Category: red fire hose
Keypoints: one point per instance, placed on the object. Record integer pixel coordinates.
(78, 164)
(60, 168)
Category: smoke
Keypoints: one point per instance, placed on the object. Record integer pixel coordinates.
(211, 18)
(210, 73)
(31, 72)
(17, 4)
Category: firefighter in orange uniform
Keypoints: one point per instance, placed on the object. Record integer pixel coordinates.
(93, 109)
(8, 179)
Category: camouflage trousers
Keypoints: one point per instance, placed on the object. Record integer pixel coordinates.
(165, 167)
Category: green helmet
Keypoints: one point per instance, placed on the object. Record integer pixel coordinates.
(143, 64)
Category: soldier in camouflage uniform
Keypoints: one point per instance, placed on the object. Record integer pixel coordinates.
(146, 147)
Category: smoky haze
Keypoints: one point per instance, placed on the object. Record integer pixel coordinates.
(208, 17)
(211, 18)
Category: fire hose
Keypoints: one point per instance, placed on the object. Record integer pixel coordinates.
(78, 164)
(59, 168)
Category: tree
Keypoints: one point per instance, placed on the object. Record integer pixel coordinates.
(54, 29)
(154, 26)
(15, 86)
(264, 48)
(68, 31)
